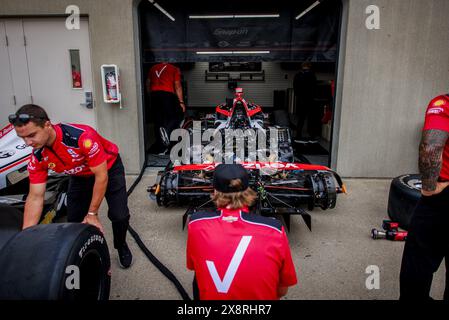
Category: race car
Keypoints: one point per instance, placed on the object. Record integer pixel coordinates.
(14, 182)
(246, 123)
(283, 188)
(14, 157)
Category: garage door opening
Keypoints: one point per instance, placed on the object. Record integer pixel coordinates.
(263, 47)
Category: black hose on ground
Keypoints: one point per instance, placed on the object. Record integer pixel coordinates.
(159, 265)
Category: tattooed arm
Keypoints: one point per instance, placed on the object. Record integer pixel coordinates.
(431, 160)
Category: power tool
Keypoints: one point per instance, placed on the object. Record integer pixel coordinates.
(391, 232)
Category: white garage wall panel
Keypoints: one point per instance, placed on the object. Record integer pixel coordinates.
(48, 42)
(6, 89)
(18, 62)
(203, 93)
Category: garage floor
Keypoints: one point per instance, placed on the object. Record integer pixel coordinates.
(331, 260)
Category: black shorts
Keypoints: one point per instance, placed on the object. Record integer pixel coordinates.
(79, 195)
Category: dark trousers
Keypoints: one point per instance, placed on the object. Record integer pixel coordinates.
(79, 196)
(426, 247)
(310, 111)
(167, 114)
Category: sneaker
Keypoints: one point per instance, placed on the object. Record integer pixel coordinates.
(125, 257)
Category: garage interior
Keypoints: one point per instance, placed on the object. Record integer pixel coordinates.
(205, 41)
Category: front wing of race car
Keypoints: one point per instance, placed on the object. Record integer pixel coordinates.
(282, 188)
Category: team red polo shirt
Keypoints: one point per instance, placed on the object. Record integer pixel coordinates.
(437, 118)
(238, 256)
(163, 76)
(76, 148)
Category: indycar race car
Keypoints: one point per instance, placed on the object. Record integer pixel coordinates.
(14, 182)
(283, 188)
(247, 124)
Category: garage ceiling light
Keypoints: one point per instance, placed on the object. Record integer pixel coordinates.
(235, 16)
(232, 52)
(162, 10)
(307, 10)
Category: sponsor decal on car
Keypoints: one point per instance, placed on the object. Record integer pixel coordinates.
(21, 146)
(6, 130)
(6, 153)
(254, 165)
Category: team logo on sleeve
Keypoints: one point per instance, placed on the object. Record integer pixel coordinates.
(87, 143)
(51, 165)
(31, 165)
(94, 150)
(439, 103)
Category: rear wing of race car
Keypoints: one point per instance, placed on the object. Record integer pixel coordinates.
(282, 188)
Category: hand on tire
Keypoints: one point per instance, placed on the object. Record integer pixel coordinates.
(440, 187)
(93, 220)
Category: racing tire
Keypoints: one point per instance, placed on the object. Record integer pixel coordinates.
(10, 223)
(405, 191)
(61, 261)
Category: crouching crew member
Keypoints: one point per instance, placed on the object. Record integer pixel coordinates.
(93, 163)
(237, 255)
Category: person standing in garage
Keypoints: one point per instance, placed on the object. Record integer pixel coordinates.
(237, 255)
(427, 243)
(166, 99)
(93, 163)
(305, 87)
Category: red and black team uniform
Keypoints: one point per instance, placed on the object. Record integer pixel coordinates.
(77, 148)
(236, 255)
(427, 242)
(164, 101)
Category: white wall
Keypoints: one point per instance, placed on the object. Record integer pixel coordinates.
(203, 93)
(389, 76)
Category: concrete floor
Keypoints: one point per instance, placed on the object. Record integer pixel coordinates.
(331, 260)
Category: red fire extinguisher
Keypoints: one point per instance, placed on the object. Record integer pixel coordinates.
(111, 85)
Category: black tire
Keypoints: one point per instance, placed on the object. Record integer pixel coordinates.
(10, 223)
(34, 263)
(405, 191)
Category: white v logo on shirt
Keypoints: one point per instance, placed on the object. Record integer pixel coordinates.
(224, 285)
(158, 74)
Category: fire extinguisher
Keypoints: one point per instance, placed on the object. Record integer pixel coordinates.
(111, 85)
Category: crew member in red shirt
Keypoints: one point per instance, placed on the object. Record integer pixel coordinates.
(93, 163)
(427, 242)
(166, 99)
(237, 255)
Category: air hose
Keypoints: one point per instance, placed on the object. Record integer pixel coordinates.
(158, 264)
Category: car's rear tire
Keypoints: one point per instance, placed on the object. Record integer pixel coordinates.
(42, 263)
(405, 191)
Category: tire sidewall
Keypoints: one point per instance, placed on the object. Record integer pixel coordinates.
(92, 243)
